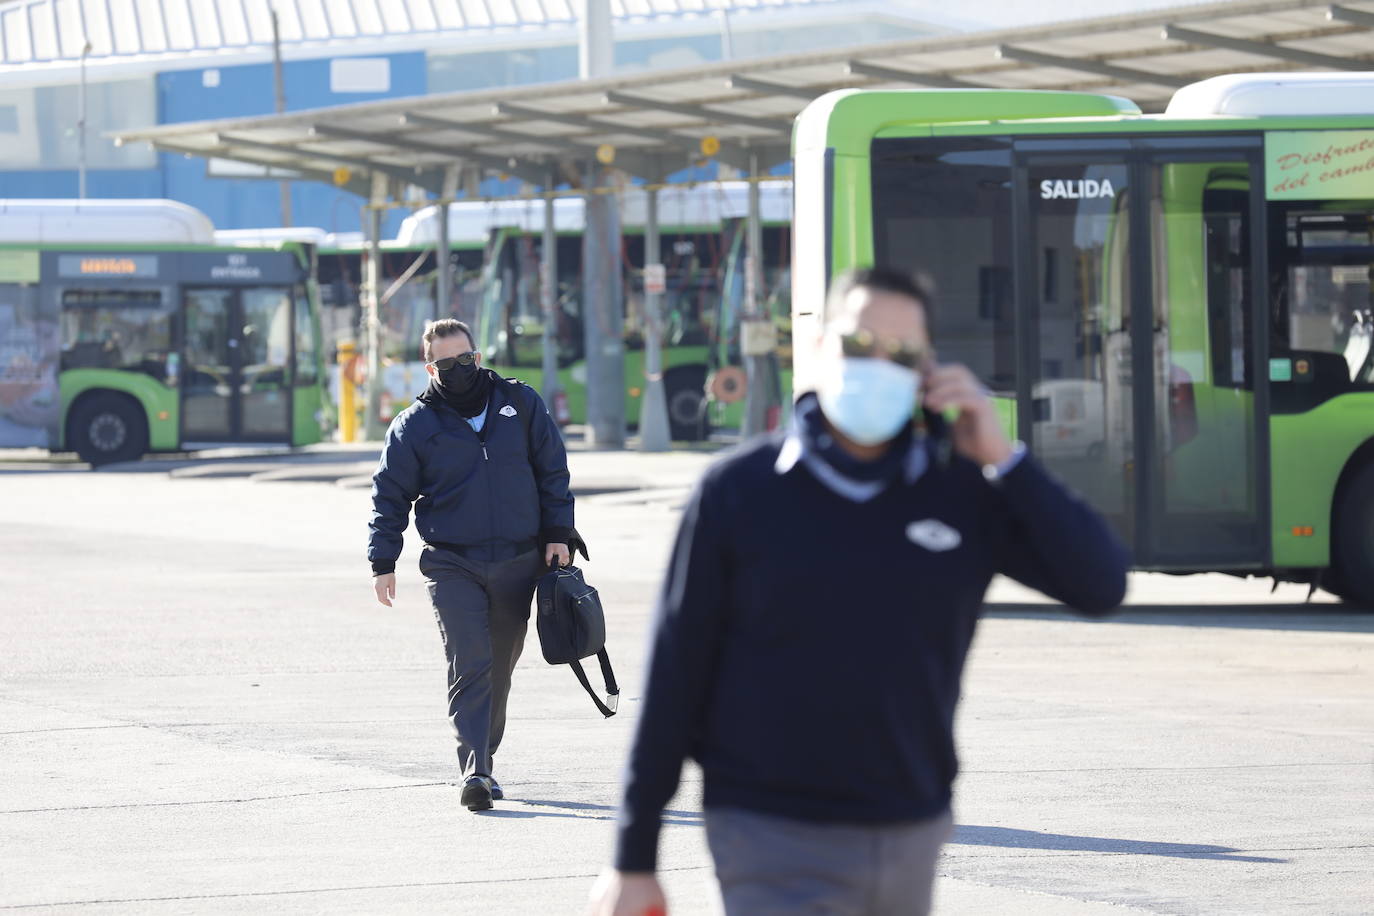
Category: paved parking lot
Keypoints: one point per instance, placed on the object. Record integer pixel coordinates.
(203, 710)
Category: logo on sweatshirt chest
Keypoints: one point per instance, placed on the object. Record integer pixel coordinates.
(507, 411)
(934, 535)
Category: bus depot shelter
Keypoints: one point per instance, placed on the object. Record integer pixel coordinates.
(579, 134)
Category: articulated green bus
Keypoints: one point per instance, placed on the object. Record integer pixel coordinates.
(495, 259)
(1175, 311)
(125, 329)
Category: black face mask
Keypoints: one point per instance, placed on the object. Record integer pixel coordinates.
(464, 388)
(459, 379)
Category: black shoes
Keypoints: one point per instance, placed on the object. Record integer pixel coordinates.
(496, 792)
(477, 793)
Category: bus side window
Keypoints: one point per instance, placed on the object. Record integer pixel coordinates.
(306, 370)
(1226, 216)
(942, 210)
(1323, 301)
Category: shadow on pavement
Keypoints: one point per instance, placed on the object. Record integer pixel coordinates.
(670, 816)
(1336, 618)
(1009, 838)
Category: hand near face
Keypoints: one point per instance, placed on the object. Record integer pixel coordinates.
(977, 432)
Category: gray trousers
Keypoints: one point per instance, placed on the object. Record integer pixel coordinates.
(779, 866)
(483, 609)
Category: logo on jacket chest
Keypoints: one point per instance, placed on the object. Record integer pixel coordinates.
(507, 411)
(934, 535)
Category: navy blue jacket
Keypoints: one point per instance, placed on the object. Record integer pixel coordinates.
(496, 489)
(808, 648)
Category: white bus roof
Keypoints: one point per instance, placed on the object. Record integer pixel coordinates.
(96, 222)
(705, 204)
(264, 238)
(1257, 94)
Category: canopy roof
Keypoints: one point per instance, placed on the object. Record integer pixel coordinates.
(51, 31)
(655, 122)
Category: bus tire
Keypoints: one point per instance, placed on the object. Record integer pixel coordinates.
(685, 391)
(107, 427)
(1353, 552)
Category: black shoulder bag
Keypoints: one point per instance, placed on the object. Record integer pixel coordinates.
(572, 627)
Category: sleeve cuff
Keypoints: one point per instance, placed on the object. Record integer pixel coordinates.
(556, 535)
(383, 567)
(636, 848)
(995, 472)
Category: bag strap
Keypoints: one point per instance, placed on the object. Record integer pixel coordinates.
(612, 703)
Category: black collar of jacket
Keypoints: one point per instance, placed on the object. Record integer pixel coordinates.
(503, 391)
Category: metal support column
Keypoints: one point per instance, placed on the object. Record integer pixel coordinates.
(443, 286)
(603, 313)
(370, 293)
(756, 345)
(596, 46)
(654, 432)
(548, 295)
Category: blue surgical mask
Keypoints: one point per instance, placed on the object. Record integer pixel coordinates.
(869, 400)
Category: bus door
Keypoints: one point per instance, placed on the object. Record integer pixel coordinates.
(1135, 277)
(236, 383)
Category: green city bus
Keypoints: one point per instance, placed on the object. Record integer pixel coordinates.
(125, 329)
(1174, 311)
(495, 256)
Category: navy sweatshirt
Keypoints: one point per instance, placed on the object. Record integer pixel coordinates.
(808, 648)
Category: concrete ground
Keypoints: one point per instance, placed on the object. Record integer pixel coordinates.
(202, 709)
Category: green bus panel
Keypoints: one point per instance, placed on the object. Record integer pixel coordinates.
(160, 403)
(1309, 452)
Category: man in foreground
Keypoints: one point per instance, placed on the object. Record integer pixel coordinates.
(811, 635)
(484, 464)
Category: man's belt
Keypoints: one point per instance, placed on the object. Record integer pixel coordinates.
(480, 550)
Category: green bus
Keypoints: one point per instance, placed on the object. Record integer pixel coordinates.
(1174, 311)
(125, 329)
(495, 255)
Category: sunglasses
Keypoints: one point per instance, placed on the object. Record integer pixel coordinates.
(863, 343)
(448, 362)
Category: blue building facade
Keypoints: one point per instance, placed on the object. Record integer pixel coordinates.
(203, 73)
(200, 94)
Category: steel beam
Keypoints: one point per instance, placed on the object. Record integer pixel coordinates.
(633, 161)
(492, 133)
(931, 80)
(655, 432)
(369, 293)
(603, 311)
(486, 161)
(548, 296)
(729, 153)
(1262, 49)
(427, 180)
(749, 84)
(506, 109)
(1111, 71)
(1354, 17)
(207, 155)
(709, 115)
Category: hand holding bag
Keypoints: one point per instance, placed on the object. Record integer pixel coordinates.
(572, 626)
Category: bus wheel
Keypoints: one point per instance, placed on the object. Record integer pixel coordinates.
(106, 428)
(1354, 549)
(685, 389)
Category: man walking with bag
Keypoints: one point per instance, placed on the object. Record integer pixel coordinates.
(811, 634)
(485, 467)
